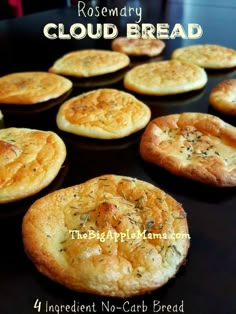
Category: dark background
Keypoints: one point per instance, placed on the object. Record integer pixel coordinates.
(207, 283)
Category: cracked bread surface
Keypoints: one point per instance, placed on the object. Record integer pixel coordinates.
(28, 88)
(89, 63)
(138, 47)
(107, 205)
(103, 114)
(198, 146)
(29, 161)
(207, 56)
(223, 97)
(165, 78)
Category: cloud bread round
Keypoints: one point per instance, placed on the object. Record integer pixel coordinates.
(138, 47)
(109, 206)
(104, 114)
(198, 146)
(207, 56)
(165, 78)
(27, 88)
(29, 161)
(223, 97)
(90, 62)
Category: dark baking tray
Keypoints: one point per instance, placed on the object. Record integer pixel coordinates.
(206, 285)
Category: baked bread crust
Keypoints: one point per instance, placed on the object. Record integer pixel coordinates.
(90, 62)
(29, 161)
(197, 146)
(165, 78)
(104, 114)
(223, 97)
(106, 204)
(207, 56)
(27, 88)
(150, 47)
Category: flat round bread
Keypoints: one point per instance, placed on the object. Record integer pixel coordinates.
(223, 97)
(29, 161)
(165, 78)
(27, 88)
(138, 47)
(112, 236)
(207, 56)
(197, 146)
(104, 114)
(90, 62)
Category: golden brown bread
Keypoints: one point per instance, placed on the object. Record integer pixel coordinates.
(90, 62)
(207, 56)
(165, 78)
(223, 97)
(104, 114)
(27, 88)
(116, 253)
(138, 47)
(29, 161)
(198, 146)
